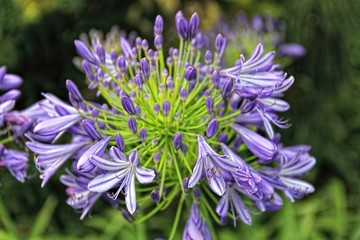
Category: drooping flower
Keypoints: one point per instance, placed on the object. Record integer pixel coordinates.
(50, 157)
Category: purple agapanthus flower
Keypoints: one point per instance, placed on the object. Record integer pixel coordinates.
(49, 157)
(196, 228)
(232, 199)
(211, 165)
(120, 171)
(15, 161)
(286, 176)
(79, 196)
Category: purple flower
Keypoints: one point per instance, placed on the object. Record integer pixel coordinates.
(84, 52)
(286, 176)
(237, 206)
(79, 196)
(97, 149)
(9, 81)
(211, 165)
(212, 128)
(15, 162)
(190, 73)
(49, 157)
(177, 140)
(56, 125)
(257, 144)
(120, 171)
(196, 227)
(257, 71)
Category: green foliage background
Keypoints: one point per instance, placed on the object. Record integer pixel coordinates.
(36, 42)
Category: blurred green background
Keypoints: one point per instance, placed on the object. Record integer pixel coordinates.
(36, 42)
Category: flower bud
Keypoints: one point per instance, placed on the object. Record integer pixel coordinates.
(74, 91)
(87, 69)
(166, 108)
(90, 129)
(190, 73)
(177, 140)
(145, 68)
(121, 63)
(208, 57)
(132, 125)
(209, 104)
(182, 28)
(120, 142)
(197, 194)
(143, 134)
(127, 104)
(100, 51)
(155, 196)
(220, 44)
(156, 108)
(194, 25)
(85, 53)
(159, 25)
(157, 157)
(158, 42)
(183, 94)
(138, 110)
(216, 79)
(145, 44)
(227, 88)
(212, 128)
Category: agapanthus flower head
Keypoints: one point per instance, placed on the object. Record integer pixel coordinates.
(181, 120)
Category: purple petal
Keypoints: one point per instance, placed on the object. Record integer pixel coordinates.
(117, 155)
(107, 164)
(240, 208)
(104, 182)
(145, 175)
(257, 144)
(222, 207)
(196, 174)
(98, 149)
(53, 126)
(130, 197)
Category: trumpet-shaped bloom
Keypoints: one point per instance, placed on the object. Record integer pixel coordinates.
(211, 165)
(120, 171)
(49, 157)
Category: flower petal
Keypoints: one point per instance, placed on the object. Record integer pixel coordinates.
(145, 175)
(104, 182)
(196, 174)
(107, 164)
(130, 197)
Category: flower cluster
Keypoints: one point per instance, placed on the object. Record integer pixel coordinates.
(13, 125)
(177, 121)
